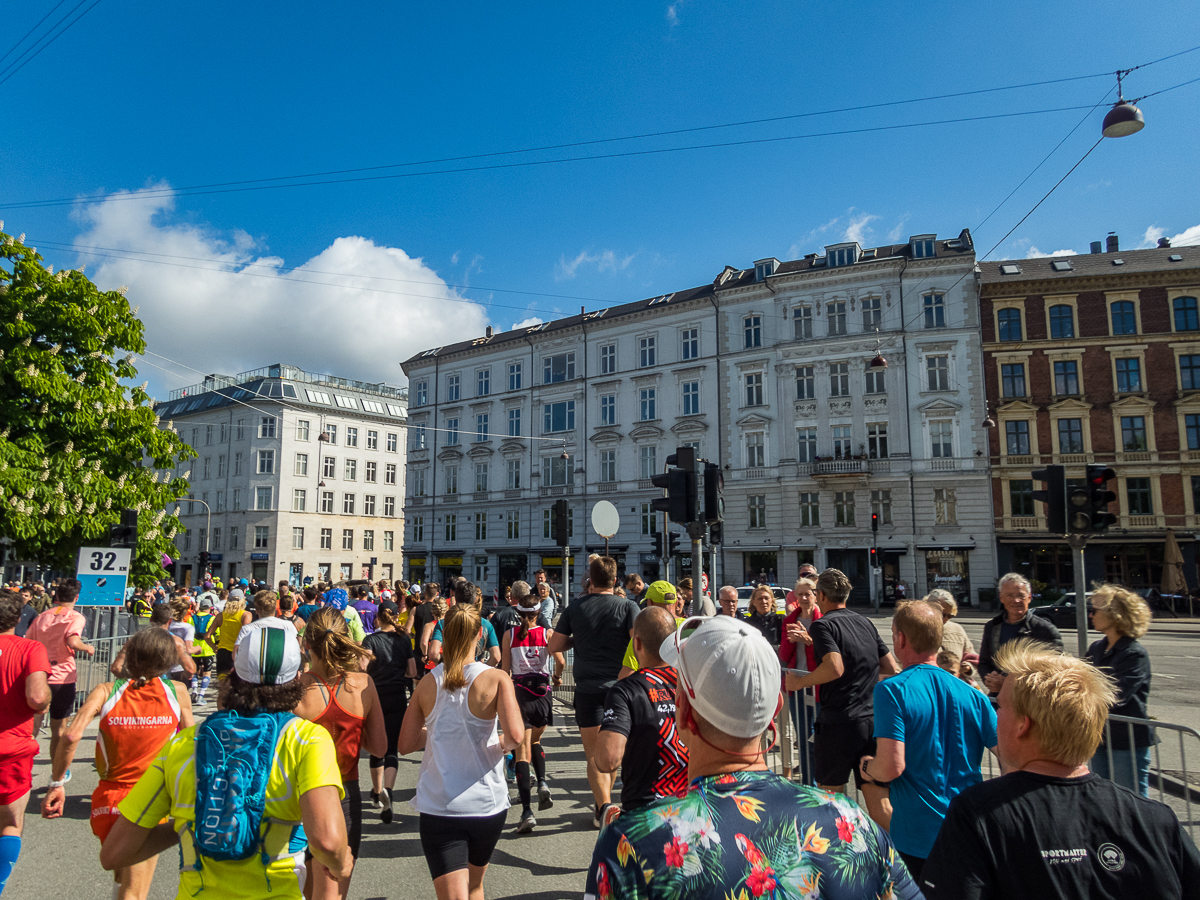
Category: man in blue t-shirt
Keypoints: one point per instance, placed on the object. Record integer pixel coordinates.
(931, 729)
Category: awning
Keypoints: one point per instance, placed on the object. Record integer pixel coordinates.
(899, 551)
(958, 546)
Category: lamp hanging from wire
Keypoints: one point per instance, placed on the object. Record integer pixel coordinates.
(1124, 118)
(878, 361)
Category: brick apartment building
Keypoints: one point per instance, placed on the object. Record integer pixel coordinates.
(1096, 359)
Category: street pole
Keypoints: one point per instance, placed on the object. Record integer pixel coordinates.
(566, 585)
(1078, 542)
(696, 533)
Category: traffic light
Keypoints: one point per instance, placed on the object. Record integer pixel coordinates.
(1099, 496)
(125, 533)
(204, 558)
(714, 533)
(658, 548)
(673, 543)
(874, 558)
(874, 527)
(714, 489)
(1055, 497)
(562, 536)
(679, 482)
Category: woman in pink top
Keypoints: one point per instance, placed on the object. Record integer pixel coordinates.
(60, 630)
(795, 635)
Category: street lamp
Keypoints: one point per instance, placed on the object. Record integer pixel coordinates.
(1124, 118)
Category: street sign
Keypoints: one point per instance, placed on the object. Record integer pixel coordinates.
(606, 521)
(104, 573)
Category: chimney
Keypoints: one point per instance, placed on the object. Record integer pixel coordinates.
(1096, 245)
(1110, 243)
(1164, 243)
(488, 331)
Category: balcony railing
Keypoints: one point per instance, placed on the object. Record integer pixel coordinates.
(645, 484)
(755, 473)
(842, 467)
(514, 494)
(606, 487)
(1028, 522)
(557, 491)
(943, 465)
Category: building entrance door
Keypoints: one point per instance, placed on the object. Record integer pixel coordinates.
(854, 564)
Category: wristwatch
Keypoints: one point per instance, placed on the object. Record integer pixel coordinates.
(55, 784)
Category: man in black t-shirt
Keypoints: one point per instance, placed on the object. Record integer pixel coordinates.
(638, 733)
(850, 657)
(598, 626)
(423, 614)
(1051, 828)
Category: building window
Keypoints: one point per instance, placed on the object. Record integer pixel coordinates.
(418, 482)
(237, 464)
(262, 537)
(241, 429)
(389, 507)
(481, 476)
(608, 359)
(1010, 324)
(1192, 429)
(558, 417)
(1186, 318)
(233, 538)
(514, 376)
(418, 436)
(810, 509)
(807, 451)
(937, 371)
(756, 451)
(935, 311)
(647, 354)
(225, 432)
(372, 440)
(608, 409)
(216, 539)
(835, 312)
(329, 467)
(555, 472)
(389, 541)
(881, 505)
(763, 270)
(301, 467)
(453, 388)
(266, 462)
(839, 379)
(266, 428)
(299, 499)
(326, 501)
(802, 322)
(1133, 434)
(876, 381)
(649, 405)
(560, 367)
(1020, 497)
(451, 479)
(1016, 436)
(754, 389)
(691, 398)
(348, 504)
(351, 469)
(370, 473)
(512, 521)
(649, 520)
(1139, 497)
(418, 528)
(420, 398)
(389, 473)
(1189, 373)
(877, 440)
(1012, 376)
(351, 437)
(843, 442)
(369, 539)
(1129, 375)
(480, 526)
(220, 502)
(331, 434)
(1124, 320)
(1066, 377)
(483, 382)
(1062, 322)
(368, 504)
(512, 474)
(758, 510)
(843, 256)
(207, 467)
(608, 466)
(482, 427)
(347, 538)
(514, 422)
(690, 340)
(752, 332)
(391, 442)
(1070, 435)
(923, 249)
(647, 462)
(805, 383)
(945, 506)
(452, 431)
(843, 508)
(297, 538)
(941, 435)
(548, 523)
(872, 313)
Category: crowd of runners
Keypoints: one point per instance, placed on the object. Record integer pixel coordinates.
(234, 721)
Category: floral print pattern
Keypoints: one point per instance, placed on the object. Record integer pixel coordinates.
(747, 836)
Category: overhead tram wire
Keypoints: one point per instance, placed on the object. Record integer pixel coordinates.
(26, 35)
(13, 68)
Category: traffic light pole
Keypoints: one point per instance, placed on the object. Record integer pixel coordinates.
(696, 533)
(1078, 542)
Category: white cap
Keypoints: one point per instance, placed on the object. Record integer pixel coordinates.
(731, 674)
(267, 652)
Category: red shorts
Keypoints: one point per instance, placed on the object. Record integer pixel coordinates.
(105, 799)
(16, 777)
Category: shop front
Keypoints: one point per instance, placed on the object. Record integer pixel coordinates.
(648, 568)
(258, 566)
(513, 567)
(760, 565)
(855, 565)
(416, 569)
(449, 567)
(554, 571)
(949, 568)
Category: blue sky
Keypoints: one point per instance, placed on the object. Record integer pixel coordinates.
(143, 95)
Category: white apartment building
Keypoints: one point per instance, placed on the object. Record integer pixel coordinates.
(774, 373)
(298, 475)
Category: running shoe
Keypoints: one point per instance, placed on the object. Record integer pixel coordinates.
(375, 801)
(609, 814)
(510, 768)
(527, 822)
(544, 799)
(385, 798)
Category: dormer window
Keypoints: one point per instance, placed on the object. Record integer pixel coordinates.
(764, 269)
(923, 246)
(842, 255)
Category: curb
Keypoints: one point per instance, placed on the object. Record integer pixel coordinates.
(1173, 786)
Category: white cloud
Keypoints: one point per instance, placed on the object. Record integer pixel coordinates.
(898, 232)
(857, 230)
(526, 323)
(604, 261)
(1187, 237)
(673, 14)
(1035, 253)
(252, 312)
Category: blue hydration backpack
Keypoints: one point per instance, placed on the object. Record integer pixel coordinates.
(234, 756)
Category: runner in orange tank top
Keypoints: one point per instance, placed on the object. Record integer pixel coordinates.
(342, 700)
(138, 715)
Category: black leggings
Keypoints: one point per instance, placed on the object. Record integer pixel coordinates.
(393, 717)
(451, 842)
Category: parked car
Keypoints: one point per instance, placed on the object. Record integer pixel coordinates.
(745, 591)
(1063, 613)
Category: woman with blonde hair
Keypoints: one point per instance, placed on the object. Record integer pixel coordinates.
(342, 700)
(1123, 617)
(462, 795)
(224, 631)
(954, 638)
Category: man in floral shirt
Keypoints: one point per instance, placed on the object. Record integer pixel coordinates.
(739, 832)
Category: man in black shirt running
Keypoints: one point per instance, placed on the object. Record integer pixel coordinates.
(638, 733)
(1051, 828)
